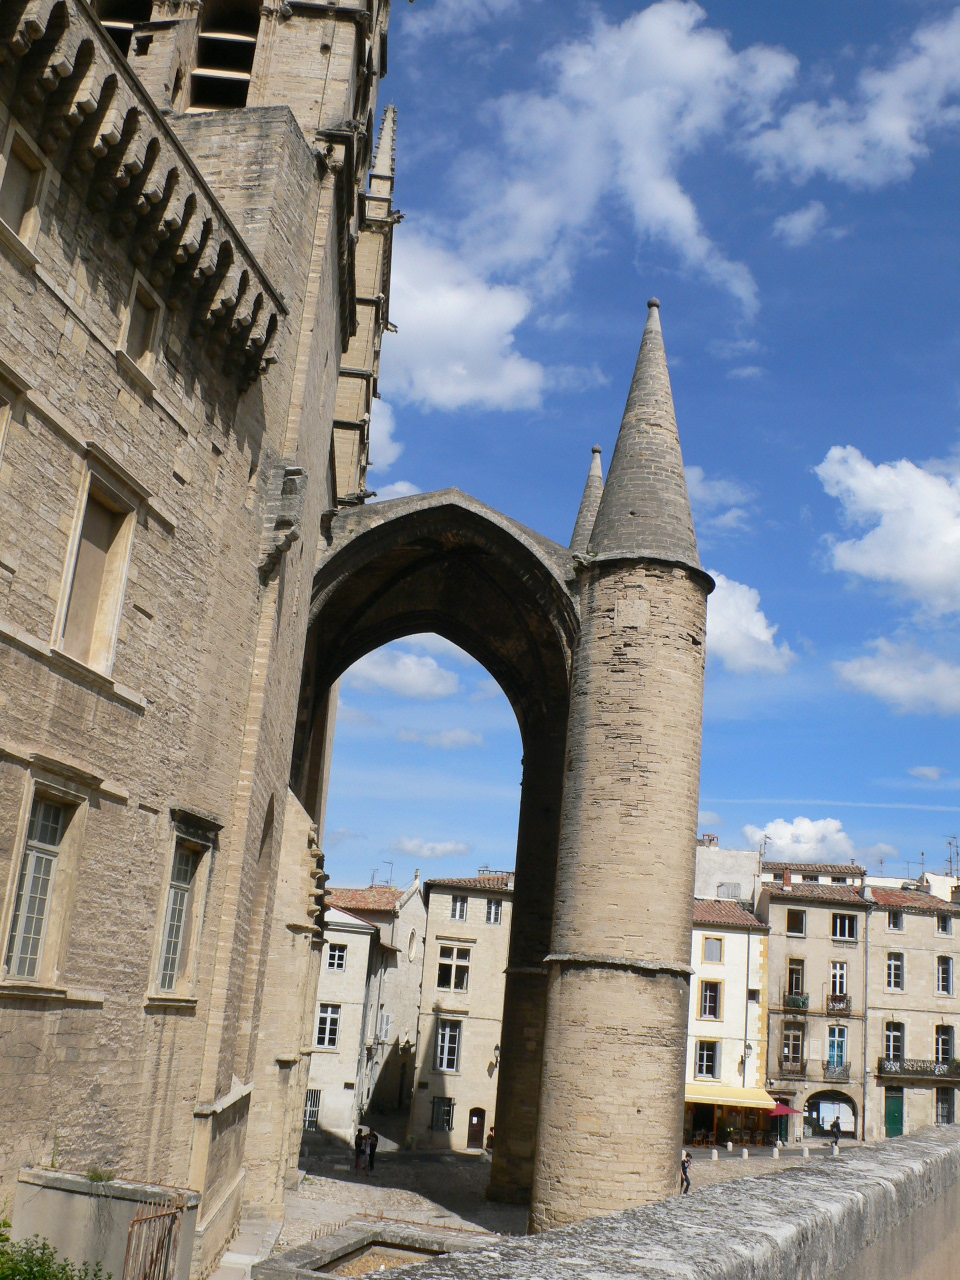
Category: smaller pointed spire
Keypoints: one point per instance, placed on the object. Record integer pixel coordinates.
(384, 167)
(645, 510)
(592, 493)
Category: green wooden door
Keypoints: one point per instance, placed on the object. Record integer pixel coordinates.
(893, 1113)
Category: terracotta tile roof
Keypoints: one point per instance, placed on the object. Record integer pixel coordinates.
(725, 913)
(914, 900)
(816, 868)
(375, 897)
(501, 883)
(800, 892)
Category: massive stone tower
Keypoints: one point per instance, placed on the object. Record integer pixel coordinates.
(618, 987)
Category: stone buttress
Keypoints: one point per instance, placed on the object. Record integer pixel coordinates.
(611, 1095)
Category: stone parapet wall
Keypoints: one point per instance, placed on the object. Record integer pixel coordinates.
(890, 1212)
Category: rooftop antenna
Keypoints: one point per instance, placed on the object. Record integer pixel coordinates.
(390, 876)
(373, 876)
(954, 855)
(880, 860)
(921, 864)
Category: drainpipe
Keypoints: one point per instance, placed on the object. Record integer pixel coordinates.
(746, 1014)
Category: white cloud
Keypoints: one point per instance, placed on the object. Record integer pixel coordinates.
(746, 371)
(738, 632)
(928, 772)
(454, 17)
(385, 449)
(718, 505)
(408, 675)
(913, 518)
(455, 339)
(800, 227)
(340, 836)
(414, 847)
(398, 489)
(706, 818)
(430, 642)
(625, 106)
(353, 715)
(906, 678)
(803, 840)
(883, 131)
(446, 740)
(732, 349)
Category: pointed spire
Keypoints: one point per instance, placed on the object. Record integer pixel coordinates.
(385, 159)
(592, 493)
(645, 511)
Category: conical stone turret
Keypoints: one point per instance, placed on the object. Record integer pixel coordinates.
(592, 493)
(645, 511)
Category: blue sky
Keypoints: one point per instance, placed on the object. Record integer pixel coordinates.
(785, 179)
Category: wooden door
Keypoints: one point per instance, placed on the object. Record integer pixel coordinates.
(475, 1128)
(893, 1113)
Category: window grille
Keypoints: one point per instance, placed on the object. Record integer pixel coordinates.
(945, 1106)
(311, 1110)
(442, 1119)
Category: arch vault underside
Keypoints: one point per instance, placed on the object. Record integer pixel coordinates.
(445, 563)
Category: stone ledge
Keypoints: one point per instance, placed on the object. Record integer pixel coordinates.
(809, 1222)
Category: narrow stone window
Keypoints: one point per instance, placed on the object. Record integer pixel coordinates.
(458, 908)
(494, 910)
(142, 327)
(945, 1107)
(895, 920)
(337, 956)
(836, 1047)
(944, 924)
(792, 1055)
(311, 1110)
(20, 188)
(328, 1026)
(944, 976)
(178, 921)
(838, 977)
(795, 985)
(96, 588)
(448, 1045)
(894, 970)
(31, 908)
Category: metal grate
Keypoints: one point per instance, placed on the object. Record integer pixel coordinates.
(154, 1239)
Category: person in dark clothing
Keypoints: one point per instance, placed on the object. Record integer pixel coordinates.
(358, 1151)
(685, 1173)
(372, 1141)
(835, 1131)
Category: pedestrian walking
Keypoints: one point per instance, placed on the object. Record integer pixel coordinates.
(373, 1141)
(684, 1172)
(835, 1131)
(358, 1150)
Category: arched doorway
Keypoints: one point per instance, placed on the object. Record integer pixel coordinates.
(822, 1108)
(446, 563)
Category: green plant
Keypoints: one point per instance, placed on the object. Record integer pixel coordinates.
(4, 1230)
(36, 1259)
(95, 1174)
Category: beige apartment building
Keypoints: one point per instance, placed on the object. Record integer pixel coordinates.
(725, 1098)
(913, 1037)
(367, 1007)
(818, 999)
(461, 1012)
(191, 256)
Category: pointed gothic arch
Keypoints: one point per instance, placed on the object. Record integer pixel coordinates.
(446, 563)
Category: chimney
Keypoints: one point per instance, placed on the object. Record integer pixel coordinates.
(787, 878)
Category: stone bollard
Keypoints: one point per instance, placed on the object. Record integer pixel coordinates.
(835, 1149)
(776, 1153)
(779, 1145)
(806, 1153)
(745, 1155)
(714, 1154)
(729, 1146)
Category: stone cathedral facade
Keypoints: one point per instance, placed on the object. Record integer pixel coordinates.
(195, 245)
(195, 235)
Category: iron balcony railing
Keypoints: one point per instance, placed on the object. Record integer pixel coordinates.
(836, 1071)
(923, 1068)
(796, 1002)
(838, 1004)
(788, 1068)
